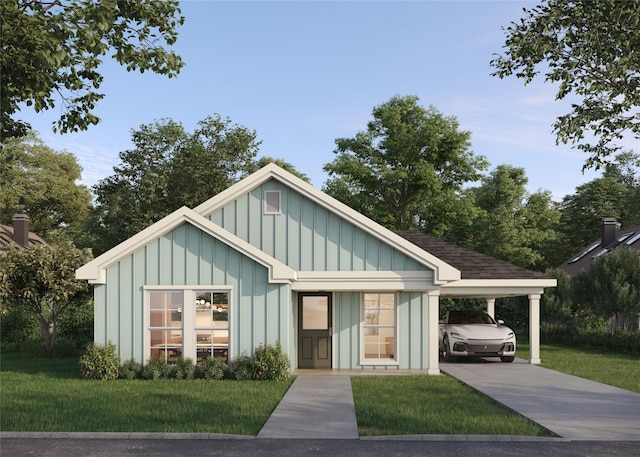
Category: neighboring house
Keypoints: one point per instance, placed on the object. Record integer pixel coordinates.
(19, 235)
(273, 258)
(609, 240)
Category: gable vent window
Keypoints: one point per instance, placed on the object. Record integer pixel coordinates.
(272, 202)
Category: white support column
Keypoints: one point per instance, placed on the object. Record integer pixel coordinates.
(491, 307)
(433, 367)
(534, 329)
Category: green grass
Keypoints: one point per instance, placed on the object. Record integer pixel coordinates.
(410, 405)
(49, 395)
(614, 369)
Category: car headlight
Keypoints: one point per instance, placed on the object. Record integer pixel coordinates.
(457, 335)
(509, 335)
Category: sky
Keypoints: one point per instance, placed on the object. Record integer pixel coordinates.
(303, 73)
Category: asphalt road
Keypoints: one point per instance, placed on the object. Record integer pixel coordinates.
(62, 447)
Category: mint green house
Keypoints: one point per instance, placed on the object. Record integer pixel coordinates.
(273, 258)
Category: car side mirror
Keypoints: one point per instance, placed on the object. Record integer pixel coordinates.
(500, 321)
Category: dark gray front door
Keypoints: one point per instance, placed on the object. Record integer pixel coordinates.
(314, 324)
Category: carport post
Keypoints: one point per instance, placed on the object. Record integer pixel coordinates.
(534, 329)
(491, 307)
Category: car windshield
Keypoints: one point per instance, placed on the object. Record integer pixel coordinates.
(469, 317)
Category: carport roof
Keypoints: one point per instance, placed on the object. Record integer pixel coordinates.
(472, 264)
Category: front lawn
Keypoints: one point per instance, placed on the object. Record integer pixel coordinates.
(49, 395)
(416, 405)
(616, 369)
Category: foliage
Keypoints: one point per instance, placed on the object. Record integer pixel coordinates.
(52, 50)
(41, 182)
(512, 225)
(213, 368)
(242, 369)
(619, 341)
(184, 369)
(266, 160)
(168, 168)
(588, 47)
(556, 302)
(43, 281)
(407, 170)
(271, 363)
(156, 368)
(611, 287)
(76, 324)
(130, 369)
(100, 362)
(17, 325)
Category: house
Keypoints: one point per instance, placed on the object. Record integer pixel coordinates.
(273, 258)
(19, 235)
(609, 240)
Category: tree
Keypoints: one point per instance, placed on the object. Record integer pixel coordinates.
(407, 170)
(512, 224)
(52, 50)
(611, 287)
(266, 160)
(168, 168)
(43, 281)
(589, 47)
(41, 183)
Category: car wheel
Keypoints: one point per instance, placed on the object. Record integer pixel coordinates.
(507, 359)
(446, 354)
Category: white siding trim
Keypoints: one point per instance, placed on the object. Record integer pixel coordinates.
(363, 280)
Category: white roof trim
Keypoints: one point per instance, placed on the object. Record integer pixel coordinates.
(443, 272)
(95, 271)
(363, 280)
(494, 288)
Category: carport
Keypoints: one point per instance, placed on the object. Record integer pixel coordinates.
(484, 277)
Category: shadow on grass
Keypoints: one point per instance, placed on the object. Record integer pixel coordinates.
(62, 368)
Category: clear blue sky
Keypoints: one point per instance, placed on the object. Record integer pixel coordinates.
(302, 74)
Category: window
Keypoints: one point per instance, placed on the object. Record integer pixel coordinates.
(190, 323)
(379, 326)
(165, 324)
(272, 202)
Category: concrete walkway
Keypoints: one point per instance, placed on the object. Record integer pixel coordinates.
(571, 407)
(314, 407)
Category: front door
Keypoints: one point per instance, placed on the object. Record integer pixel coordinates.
(314, 334)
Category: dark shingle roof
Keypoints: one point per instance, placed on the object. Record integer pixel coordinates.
(472, 264)
(629, 237)
(7, 237)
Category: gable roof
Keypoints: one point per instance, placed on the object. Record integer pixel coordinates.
(95, 271)
(8, 236)
(443, 272)
(629, 237)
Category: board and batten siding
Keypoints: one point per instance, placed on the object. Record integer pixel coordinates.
(307, 236)
(412, 320)
(260, 312)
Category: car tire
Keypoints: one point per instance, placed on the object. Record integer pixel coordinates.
(446, 353)
(507, 359)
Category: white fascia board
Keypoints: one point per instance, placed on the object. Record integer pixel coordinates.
(363, 280)
(495, 288)
(95, 271)
(444, 272)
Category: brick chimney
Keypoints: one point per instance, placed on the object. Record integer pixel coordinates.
(608, 231)
(21, 229)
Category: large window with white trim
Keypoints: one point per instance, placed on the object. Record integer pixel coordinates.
(191, 323)
(379, 326)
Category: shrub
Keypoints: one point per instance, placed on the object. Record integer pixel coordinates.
(76, 324)
(213, 368)
(156, 368)
(65, 348)
(270, 362)
(242, 369)
(34, 348)
(100, 362)
(130, 369)
(184, 369)
(17, 324)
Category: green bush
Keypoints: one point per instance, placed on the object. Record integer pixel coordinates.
(76, 324)
(156, 368)
(130, 369)
(628, 342)
(100, 362)
(184, 369)
(34, 348)
(213, 368)
(271, 362)
(242, 369)
(17, 325)
(65, 348)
